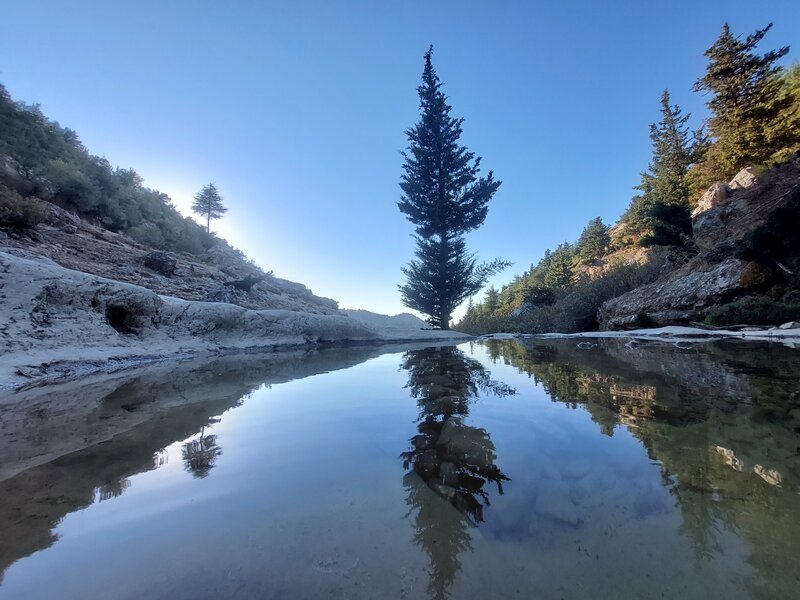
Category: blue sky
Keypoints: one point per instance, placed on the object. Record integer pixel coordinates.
(297, 111)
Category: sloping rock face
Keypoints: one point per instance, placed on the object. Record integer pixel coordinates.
(679, 300)
(77, 244)
(401, 321)
(714, 196)
(746, 232)
(59, 324)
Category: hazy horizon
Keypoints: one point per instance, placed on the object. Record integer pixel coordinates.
(297, 112)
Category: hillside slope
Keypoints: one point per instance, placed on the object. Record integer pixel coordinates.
(219, 274)
(747, 238)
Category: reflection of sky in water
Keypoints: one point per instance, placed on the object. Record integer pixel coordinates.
(308, 497)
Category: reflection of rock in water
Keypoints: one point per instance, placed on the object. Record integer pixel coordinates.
(448, 457)
(200, 454)
(722, 419)
(113, 427)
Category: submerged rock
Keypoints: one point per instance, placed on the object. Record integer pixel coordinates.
(576, 469)
(553, 500)
(467, 445)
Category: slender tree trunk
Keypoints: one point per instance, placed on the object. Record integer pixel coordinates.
(208, 223)
(444, 318)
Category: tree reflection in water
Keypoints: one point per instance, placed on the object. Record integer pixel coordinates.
(199, 455)
(453, 460)
(719, 420)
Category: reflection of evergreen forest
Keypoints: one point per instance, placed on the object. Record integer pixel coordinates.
(448, 459)
(722, 419)
(200, 454)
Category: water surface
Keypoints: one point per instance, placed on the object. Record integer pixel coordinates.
(502, 469)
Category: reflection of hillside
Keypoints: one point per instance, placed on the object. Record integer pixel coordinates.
(718, 418)
(676, 385)
(448, 458)
(65, 452)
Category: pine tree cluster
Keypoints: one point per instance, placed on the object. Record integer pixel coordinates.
(755, 122)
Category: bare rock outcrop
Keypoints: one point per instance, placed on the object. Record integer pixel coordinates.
(77, 244)
(712, 197)
(743, 179)
(678, 300)
(745, 232)
(59, 323)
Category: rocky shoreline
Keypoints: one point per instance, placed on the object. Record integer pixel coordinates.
(788, 335)
(61, 324)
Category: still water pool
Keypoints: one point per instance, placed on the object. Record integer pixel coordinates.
(499, 469)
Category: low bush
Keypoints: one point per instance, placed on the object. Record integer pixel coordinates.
(17, 212)
(570, 309)
(754, 310)
(577, 309)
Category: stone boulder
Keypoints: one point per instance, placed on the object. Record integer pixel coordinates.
(524, 309)
(745, 178)
(58, 217)
(221, 293)
(682, 299)
(713, 196)
(160, 262)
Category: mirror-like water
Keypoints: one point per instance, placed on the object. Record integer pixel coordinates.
(500, 469)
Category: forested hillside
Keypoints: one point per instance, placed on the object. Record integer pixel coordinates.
(59, 201)
(755, 122)
(41, 160)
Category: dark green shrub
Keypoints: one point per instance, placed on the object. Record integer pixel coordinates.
(538, 295)
(149, 234)
(577, 309)
(17, 212)
(671, 225)
(753, 310)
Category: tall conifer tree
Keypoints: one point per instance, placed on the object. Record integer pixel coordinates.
(594, 241)
(559, 270)
(665, 186)
(675, 149)
(745, 102)
(444, 197)
(208, 203)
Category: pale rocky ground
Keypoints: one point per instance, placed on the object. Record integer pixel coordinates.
(212, 276)
(58, 324)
